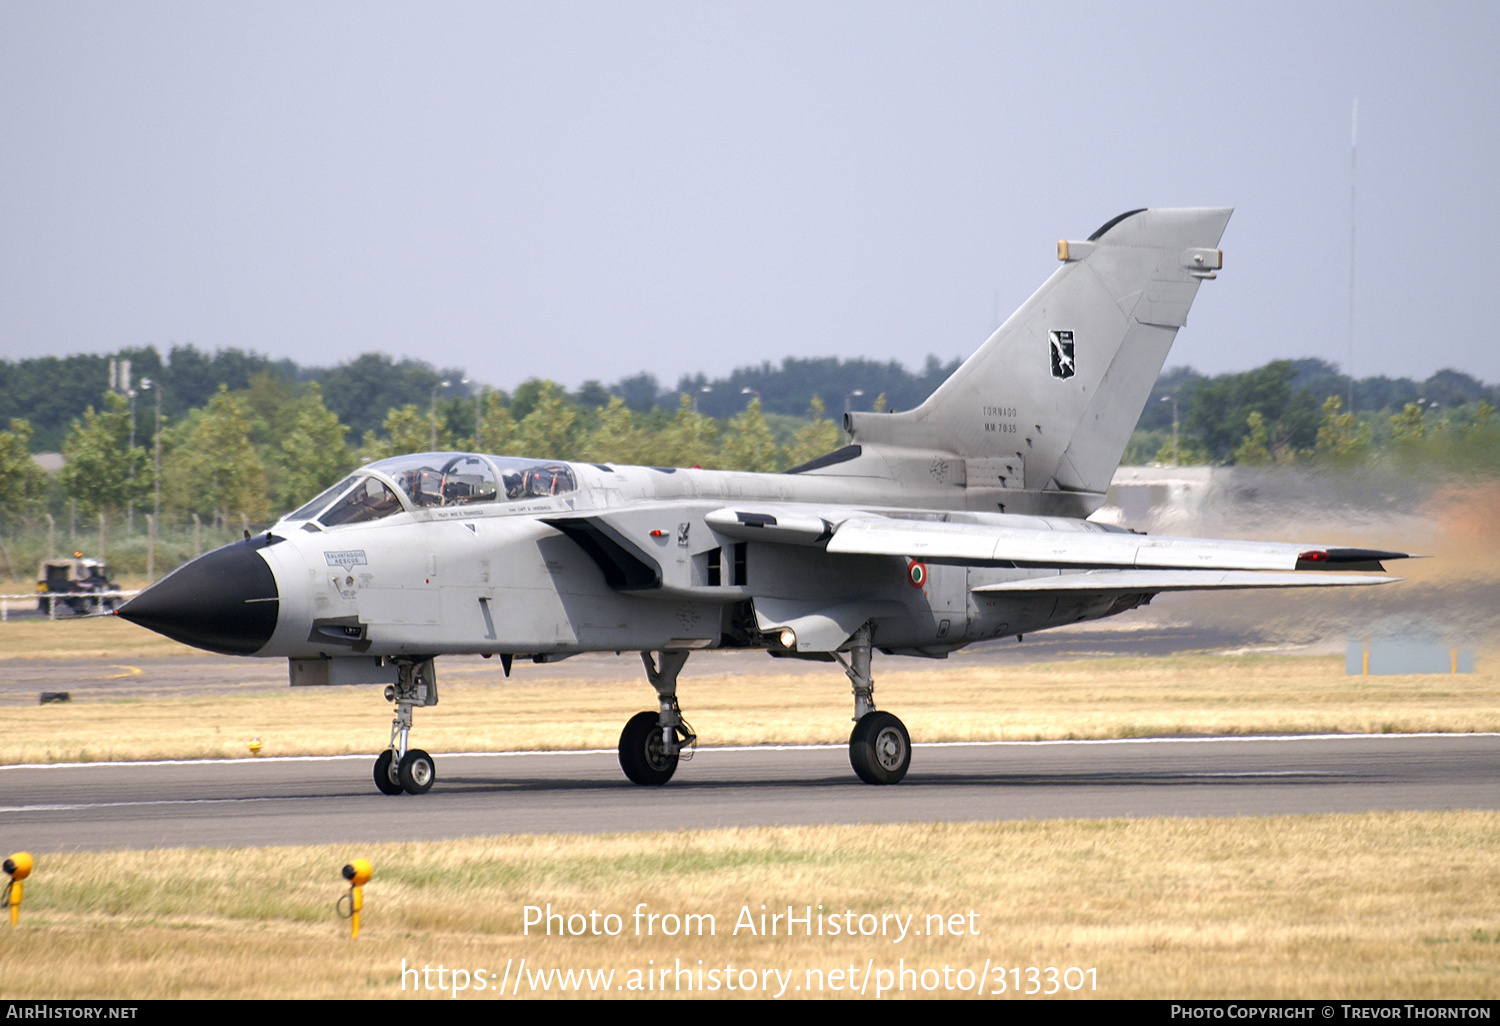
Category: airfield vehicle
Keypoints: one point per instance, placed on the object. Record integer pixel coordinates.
(962, 520)
(78, 582)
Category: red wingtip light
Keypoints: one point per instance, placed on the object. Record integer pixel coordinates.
(658, 534)
(1315, 556)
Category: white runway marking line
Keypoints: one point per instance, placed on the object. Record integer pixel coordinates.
(771, 748)
(165, 801)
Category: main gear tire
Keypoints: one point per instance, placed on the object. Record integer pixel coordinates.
(643, 756)
(880, 749)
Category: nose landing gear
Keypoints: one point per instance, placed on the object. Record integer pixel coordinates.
(400, 768)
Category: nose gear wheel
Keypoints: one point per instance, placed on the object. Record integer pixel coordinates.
(416, 772)
(400, 769)
(385, 774)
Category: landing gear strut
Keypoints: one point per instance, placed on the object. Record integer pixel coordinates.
(652, 742)
(879, 747)
(401, 768)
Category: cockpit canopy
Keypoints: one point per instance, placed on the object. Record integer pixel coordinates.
(432, 479)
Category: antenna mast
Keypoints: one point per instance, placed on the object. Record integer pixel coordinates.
(1353, 154)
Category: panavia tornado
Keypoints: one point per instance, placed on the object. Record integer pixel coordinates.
(961, 520)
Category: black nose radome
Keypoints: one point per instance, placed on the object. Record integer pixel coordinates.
(225, 601)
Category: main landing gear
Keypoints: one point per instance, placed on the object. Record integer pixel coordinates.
(401, 768)
(652, 742)
(879, 747)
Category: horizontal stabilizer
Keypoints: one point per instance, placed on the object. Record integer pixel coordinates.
(1154, 581)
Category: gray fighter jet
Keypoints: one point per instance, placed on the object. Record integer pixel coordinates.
(963, 519)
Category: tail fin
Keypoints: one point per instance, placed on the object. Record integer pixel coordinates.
(1052, 397)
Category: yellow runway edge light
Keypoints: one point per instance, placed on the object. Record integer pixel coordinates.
(358, 874)
(19, 867)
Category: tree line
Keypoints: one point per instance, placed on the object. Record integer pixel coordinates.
(243, 438)
(253, 453)
(50, 393)
(1298, 411)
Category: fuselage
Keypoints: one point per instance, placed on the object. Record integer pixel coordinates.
(989, 480)
(459, 552)
(440, 553)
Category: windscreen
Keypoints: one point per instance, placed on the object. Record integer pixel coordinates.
(313, 508)
(370, 499)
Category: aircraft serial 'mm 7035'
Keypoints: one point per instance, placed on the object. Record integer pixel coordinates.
(960, 520)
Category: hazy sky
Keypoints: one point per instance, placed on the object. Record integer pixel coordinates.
(588, 190)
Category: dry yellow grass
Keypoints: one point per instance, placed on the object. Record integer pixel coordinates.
(78, 638)
(1378, 905)
(1090, 698)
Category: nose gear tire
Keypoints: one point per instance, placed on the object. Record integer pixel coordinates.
(416, 772)
(384, 778)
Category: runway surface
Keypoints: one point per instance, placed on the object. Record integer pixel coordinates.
(333, 800)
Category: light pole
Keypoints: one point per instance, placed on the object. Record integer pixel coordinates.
(702, 391)
(432, 411)
(155, 388)
(749, 391)
(130, 503)
(851, 395)
(1173, 400)
(465, 381)
(479, 417)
